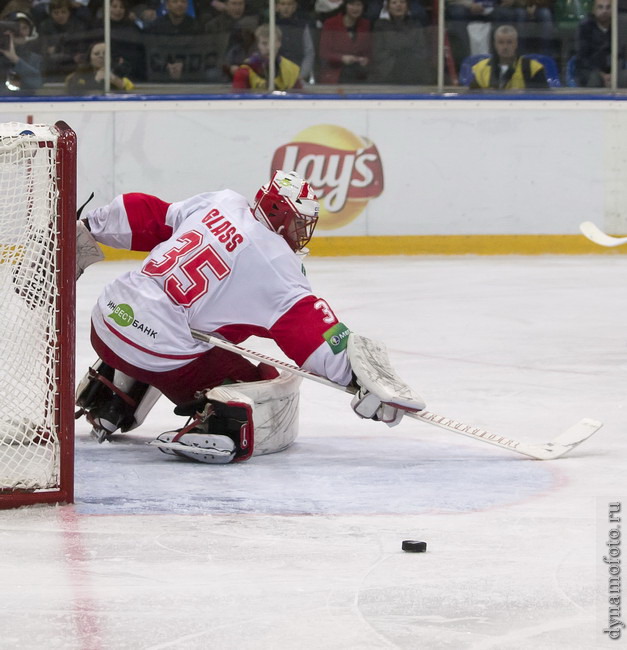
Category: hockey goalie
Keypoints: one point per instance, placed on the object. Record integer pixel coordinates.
(218, 265)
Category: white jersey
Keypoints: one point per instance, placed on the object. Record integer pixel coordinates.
(213, 267)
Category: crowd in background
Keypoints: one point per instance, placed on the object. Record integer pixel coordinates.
(336, 42)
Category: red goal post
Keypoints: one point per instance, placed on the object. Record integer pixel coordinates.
(37, 331)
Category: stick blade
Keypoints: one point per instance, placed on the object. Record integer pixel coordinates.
(568, 440)
(596, 235)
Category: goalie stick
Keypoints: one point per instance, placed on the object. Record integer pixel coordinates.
(596, 235)
(563, 444)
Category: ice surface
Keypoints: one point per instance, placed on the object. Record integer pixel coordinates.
(303, 549)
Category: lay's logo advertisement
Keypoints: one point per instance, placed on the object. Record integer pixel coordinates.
(343, 169)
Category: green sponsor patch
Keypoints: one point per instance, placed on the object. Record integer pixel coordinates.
(337, 337)
(123, 315)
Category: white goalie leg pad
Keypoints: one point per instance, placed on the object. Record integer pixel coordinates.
(101, 387)
(87, 250)
(147, 401)
(96, 381)
(238, 421)
(87, 380)
(383, 395)
(274, 404)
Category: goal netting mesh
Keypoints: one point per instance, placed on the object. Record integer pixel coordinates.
(29, 288)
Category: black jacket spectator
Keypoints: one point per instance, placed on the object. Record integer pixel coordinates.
(297, 42)
(127, 40)
(230, 39)
(400, 51)
(165, 27)
(174, 49)
(594, 51)
(64, 39)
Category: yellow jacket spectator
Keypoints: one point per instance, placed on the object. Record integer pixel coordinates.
(505, 70)
(253, 73)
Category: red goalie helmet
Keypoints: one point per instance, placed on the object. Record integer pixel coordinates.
(287, 206)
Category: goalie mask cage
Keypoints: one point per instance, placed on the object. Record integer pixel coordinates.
(37, 331)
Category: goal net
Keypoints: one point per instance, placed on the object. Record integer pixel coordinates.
(37, 289)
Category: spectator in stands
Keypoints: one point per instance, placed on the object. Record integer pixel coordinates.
(89, 77)
(461, 13)
(345, 46)
(63, 38)
(82, 11)
(594, 53)
(297, 42)
(325, 9)
(231, 12)
(230, 38)
(536, 18)
(253, 73)
(144, 13)
(175, 21)
(400, 52)
(505, 70)
(376, 9)
(20, 64)
(127, 39)
(207, 10)
(171, 42)
(17, 6)
(39, 9)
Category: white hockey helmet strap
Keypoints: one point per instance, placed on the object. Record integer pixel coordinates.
(288, 206)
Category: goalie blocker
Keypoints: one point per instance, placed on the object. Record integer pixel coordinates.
(381, 394)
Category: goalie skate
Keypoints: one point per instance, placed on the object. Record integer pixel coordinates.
(198, 446)
(216, 433)
(259, 417)
(107, 418)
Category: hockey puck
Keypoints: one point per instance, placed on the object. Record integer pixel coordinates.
(413, 546)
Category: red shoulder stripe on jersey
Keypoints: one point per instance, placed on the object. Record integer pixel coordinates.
(241, 331)
(299, 332)
(146, 217)
(182, 357)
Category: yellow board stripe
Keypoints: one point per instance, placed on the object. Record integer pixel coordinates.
(439, 245)
(460, 245)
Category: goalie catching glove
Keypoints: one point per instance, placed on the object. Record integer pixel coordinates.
(87, 250)
(381, 394)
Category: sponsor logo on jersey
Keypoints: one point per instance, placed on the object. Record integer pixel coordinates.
(343, 169)
(337, 337)
(124, 316)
